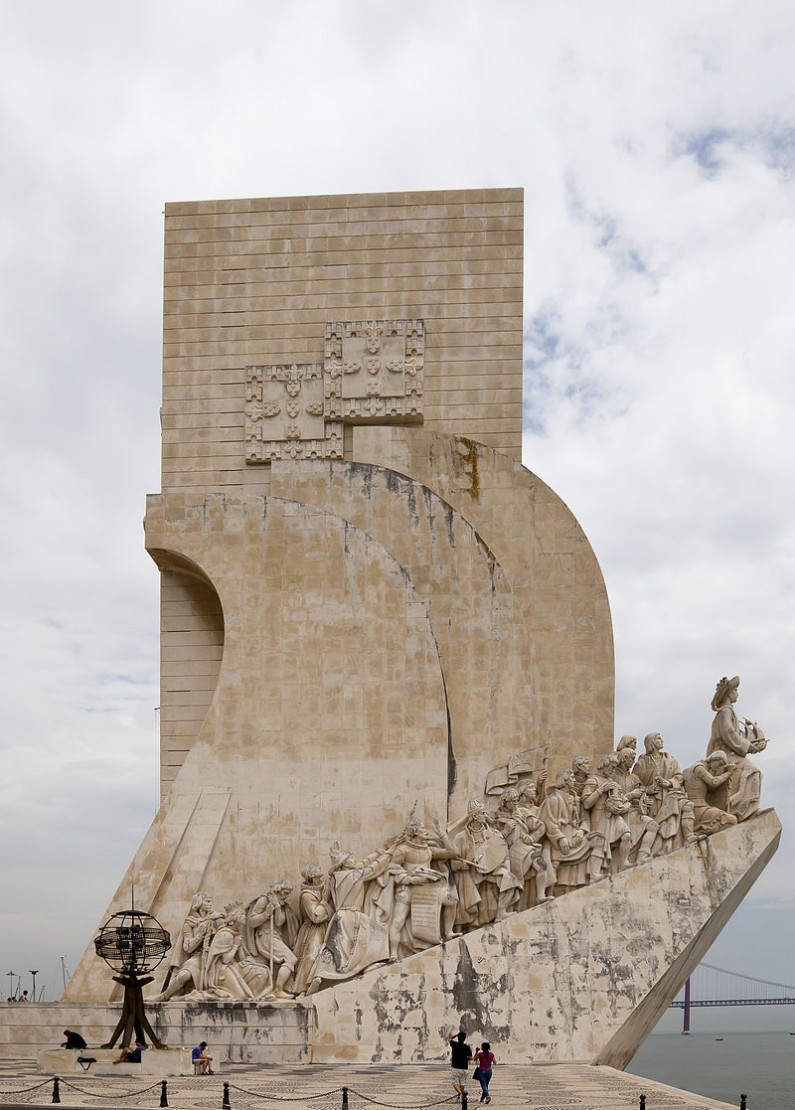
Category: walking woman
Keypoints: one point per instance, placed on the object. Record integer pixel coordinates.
(486, 1060)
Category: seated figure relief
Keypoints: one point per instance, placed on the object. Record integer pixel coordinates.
(231, 972)
(702, 780)
(271, 933)
(424, 888)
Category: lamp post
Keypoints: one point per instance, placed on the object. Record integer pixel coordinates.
(33, 975)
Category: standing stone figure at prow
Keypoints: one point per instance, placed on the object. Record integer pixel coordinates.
(736, 736)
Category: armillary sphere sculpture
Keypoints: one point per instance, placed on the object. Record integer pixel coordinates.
(132, 944)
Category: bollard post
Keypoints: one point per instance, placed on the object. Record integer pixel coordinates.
(743, 1100)
(163, 1093)
(642, 1102)
(464, 1100)
(225, 1105)
(344, 1098)
(56, 1089)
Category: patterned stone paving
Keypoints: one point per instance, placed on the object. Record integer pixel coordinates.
(410, 1087)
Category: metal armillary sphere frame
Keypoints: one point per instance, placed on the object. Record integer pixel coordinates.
(132, 944)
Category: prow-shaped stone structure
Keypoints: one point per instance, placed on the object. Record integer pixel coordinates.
(585, 977)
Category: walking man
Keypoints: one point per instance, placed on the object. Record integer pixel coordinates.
(459, 1062)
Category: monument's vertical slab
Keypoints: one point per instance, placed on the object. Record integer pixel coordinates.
(290, 321)
(279, 282)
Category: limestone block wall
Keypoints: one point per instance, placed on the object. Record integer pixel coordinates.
(486, 655)
(255, 282)
(553, 571)
(539, 619)
(261, 1033)
(192, 645)
(325, 637)
(374, 659)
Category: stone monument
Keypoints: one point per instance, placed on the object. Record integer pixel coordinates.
(387, 742)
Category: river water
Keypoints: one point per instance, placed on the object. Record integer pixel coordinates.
(724, 1066)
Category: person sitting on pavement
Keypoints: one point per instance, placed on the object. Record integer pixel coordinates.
(200, 1057)
(131, 1055)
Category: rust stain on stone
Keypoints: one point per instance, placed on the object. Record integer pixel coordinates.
(469, 461)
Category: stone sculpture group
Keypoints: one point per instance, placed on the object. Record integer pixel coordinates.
(424, 887)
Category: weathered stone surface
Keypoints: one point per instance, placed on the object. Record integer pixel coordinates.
(63, 1061)
(270, 282)
(584, 977)
(366, 622)
(486, 654)
(329, 718)
(546, 557)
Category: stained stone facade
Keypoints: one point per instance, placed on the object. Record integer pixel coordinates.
(384, 642)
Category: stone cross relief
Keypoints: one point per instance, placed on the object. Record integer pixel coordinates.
(372, 372)
(425, 886)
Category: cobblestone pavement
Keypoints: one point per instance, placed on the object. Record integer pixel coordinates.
(319, 1087)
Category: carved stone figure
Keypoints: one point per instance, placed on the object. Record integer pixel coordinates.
(642, 825)
(607, 808)
(581, 770)
(271, 931)
(568, 843)
(422, 886)
(655, 767)
(487, 888)
(737, 736)
(355, 939)
(702, 780)
(528, 797)
(423, 900)
(529, 794)
(671, 808)
(630, 742)
(523, 832)
(315, 908)
(230, 971)
(189, 955)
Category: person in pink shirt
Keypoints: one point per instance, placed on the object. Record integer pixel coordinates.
(486, 1060)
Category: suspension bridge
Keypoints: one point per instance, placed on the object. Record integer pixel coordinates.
(715, 986)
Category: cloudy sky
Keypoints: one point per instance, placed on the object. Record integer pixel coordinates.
(656, 147)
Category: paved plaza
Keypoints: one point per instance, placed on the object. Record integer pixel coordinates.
(409, 1087)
